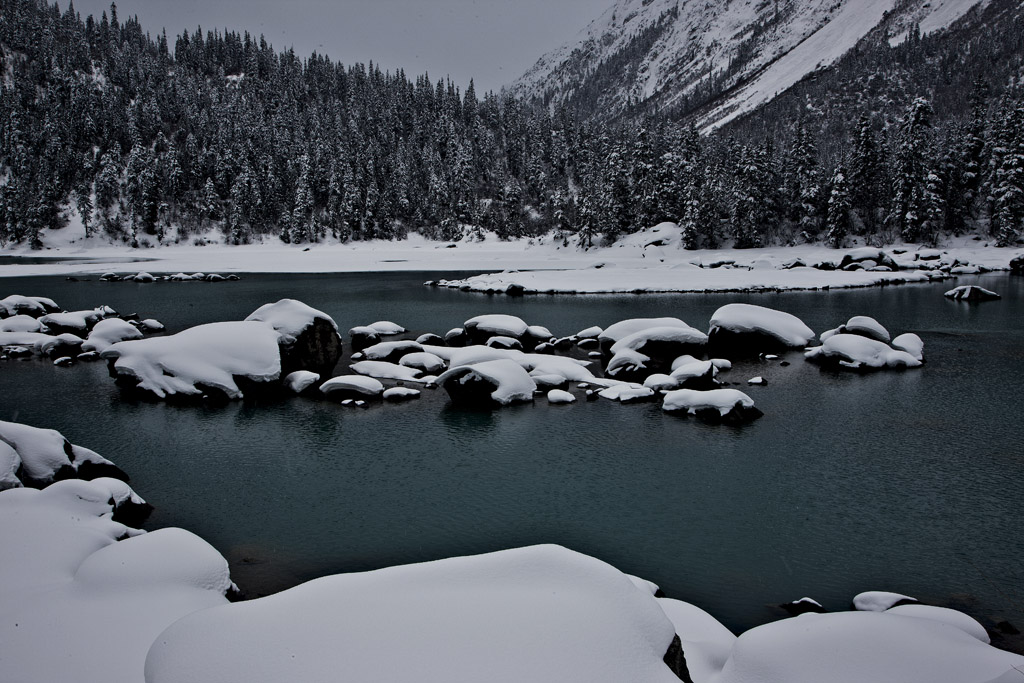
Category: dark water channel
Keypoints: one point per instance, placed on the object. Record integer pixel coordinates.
(905, 481)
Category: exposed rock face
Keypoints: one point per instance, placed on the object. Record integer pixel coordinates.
(363, 338)
(1017, 265)
(731, 344)
(317, 350)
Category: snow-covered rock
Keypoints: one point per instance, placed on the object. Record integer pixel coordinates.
(211, 357)
(863, 255)
(79, 604)
(352, 387)
(533, 614)
(309, 338)
(75, 322)
(547, 382)
(384, 370)
(501, 382)
(864, 326)
(911, 343)
(628, 393)
(400, 394)
(662, 344)
(560, 397)
(151, 326)
(879, 601)
(108, 332)
(301, 381)
(363, 337)
(483, 327)
(717, 405)
(699, 374)
(386, 328)
(589, 333)
(629, 366)
(853, 647)
(662, 382)
(35, 306)
(706, 643)
(757, 381)
(20, 323)
(37, 457)
(971, 293)
(859, 353)
(624, 328)
(746, 329)
(502, 342)
(539, 333)
(422, 360)
(392, 351)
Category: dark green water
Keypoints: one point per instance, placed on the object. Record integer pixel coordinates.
(905, 481)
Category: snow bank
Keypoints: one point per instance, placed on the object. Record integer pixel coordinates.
(733, 322)
(533, 614)
(201, 358)
(853, 647)
(860, 353)
(108, 332)
(943, 615)
(500, 381)
(79, 605)
(38, 456)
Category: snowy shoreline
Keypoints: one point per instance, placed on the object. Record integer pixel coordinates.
(650, 261)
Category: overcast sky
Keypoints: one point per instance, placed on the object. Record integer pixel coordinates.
(491, 41)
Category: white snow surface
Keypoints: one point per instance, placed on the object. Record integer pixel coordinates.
(878, 601)
(359, 383)
(678, 334)
(385, 370)
(626, 392)
(695, 369)
(625, 328)
(865, 325)
(20, 323)
(785, 327)
(533, 614)
(76, 320)
(108, 332)
(384, 349)
(386, 328)
(300, 380)
(211, 354)
(559, 396)
(498, 324)
(400, 393)
(15, 304)
(706, 642)
(422, 360)
(722, 400)
(289, 317)
(911, 343)
(42, 452)
(854, 647)
(944, 615)
(856, 352)
(513, 383)
(79, 605)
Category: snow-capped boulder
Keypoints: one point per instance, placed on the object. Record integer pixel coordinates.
(501, 342)
(560, 397)
(879, 601)
(392, 351)
(352, 387)
(151, 326)
(971, 293)
(867, 255)
(301, 381)
(35, 306)
(625, 328)
(456, 337)
(539, 333)
(483, 327)
(400, 394)
(108, 332)
(589, 333)
(746, 329)
(1017, 265)
(718, 405)
(485, 384)
(704, 641)
(757, 381)
(864, 326)
(662, 344)
(629, 366)
(422, 360)
(37, 457)
(73, 322)
(83, 596)
(662, 382)
(547, 382)
(911, 343)
(363, 337)
(854, 352)
(215, 357)
(532, 614)
(699, 374)
(20, 323)
(628, 393)
(384, 370)
(853, 647)
(430, 339)
(65, 344)
(386, 328)
(309, 338)
(144, 277)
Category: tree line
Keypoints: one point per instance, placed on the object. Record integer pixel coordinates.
(145, 143)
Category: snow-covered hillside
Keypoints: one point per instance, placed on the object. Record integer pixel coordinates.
(730, 54)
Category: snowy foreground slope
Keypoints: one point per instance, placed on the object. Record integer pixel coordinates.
(650, 260)
(86, 598)
(663, 50)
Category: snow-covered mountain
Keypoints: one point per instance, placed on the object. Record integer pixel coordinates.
(724, 57)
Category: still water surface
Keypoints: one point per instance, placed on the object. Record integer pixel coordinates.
(905, 481)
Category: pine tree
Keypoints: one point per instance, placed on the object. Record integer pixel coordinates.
(838, 220)
(907, 211)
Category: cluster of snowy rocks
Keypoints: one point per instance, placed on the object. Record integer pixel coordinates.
(87, 596)
(38, 326)
(145, 278)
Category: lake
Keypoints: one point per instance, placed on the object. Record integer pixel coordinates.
(904, 481)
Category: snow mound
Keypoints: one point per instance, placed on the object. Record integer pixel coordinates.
(349, 385)
(38, 456)
(108, 332)
(204, 357)
(743, 319)
(502, 381)
(534, 614)
(853, 647)
(74, 321)
(391, 351)
(878, 601)
(80, 605)
(860, 353)
(627, 393)
(590, 333)
(290, 318)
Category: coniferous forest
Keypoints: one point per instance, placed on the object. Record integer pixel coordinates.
(148, 140)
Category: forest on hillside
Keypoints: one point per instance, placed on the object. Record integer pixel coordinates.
(148, 140)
